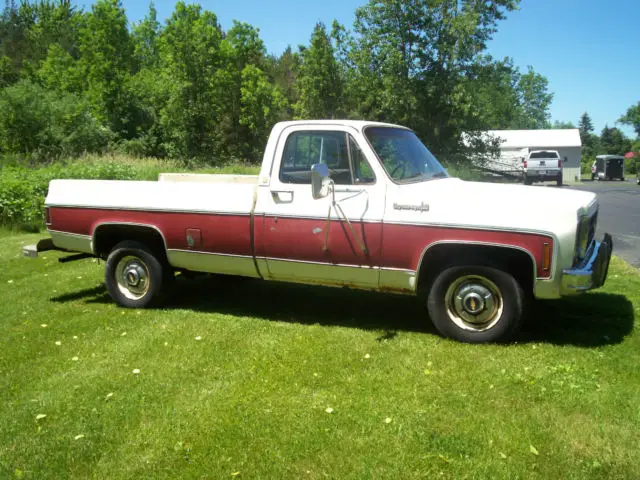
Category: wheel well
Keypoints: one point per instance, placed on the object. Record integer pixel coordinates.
(105, 237)
(512, 260)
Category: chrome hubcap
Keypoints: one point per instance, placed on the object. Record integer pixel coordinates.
(132, 276)
(474, 303)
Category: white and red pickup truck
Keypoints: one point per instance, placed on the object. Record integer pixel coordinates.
(341, 203)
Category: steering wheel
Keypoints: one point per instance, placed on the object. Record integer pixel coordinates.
(402, 166)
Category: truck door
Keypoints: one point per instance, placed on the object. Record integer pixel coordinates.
(316, 240)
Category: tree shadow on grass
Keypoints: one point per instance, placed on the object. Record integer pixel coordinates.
(589, 320)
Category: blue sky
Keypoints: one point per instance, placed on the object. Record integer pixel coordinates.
(588, 49)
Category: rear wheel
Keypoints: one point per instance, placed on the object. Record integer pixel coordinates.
(527, 181)
(476, 304)
(559, 180)
(134, 275)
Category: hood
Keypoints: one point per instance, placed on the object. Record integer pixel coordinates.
(478, 204)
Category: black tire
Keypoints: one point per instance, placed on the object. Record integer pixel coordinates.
(527, 181)
(143, 266)
(559, 181)
(508, 304)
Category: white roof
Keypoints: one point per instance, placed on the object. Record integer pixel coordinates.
(569, 137)
(357, 124)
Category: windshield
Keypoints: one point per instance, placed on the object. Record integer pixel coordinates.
(403, 155)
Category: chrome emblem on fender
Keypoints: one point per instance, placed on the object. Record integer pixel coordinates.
(423, 207)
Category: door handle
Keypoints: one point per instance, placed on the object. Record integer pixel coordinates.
(282, 196)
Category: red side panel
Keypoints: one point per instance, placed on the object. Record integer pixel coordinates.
(304, 240)
(220, 233)
(391, 245)
(403, 245)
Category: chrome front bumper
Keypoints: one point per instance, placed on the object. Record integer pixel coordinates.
(592, 271)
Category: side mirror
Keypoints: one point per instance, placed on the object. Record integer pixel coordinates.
(320, 180)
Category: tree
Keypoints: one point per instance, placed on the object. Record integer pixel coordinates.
(614, 142)
(560, 125)
(261, 104)
(283, 70)
(410, 60)
(535, 99)
(145, 40)
(196, 82)
(106, 62)
(319, 81)
(632, 118)
(585, 125)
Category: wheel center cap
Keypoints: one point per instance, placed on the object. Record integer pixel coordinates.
(133, 277)
(474, 303)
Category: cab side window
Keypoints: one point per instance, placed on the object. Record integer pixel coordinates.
(347, 164)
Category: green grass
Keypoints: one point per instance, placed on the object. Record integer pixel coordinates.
(251, 395)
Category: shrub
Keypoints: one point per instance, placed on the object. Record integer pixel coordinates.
(23, 190)
(44, 125)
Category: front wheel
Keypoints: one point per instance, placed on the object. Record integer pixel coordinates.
(476, 304)
(133, 275)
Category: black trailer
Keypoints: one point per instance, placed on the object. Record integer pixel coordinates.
(608, 167)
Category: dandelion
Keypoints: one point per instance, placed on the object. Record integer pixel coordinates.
(9, 281)
(44, 325)
(198, 337)
(123, 334)
(40, 416)
(367, 356)
(387, 420)
(75, 359)
(329, 410)
(136, 371)
(58, 343)
(166, 344)
(78, 437)
(75, 337)
(108, 396)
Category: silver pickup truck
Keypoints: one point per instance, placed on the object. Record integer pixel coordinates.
(542, 165)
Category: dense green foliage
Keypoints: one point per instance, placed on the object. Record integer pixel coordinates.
(188, 89)
(75, 81)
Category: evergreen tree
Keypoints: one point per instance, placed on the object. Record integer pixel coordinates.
(319, 82)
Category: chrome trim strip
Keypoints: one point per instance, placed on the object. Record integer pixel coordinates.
(152, 210)
(202, 252)
(484, 244)
(312, 262)
(319, 217)
(133, 224)
(471, 227)
(73, 242)
(239, 265)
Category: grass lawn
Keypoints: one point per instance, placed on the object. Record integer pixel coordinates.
(237, 378)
